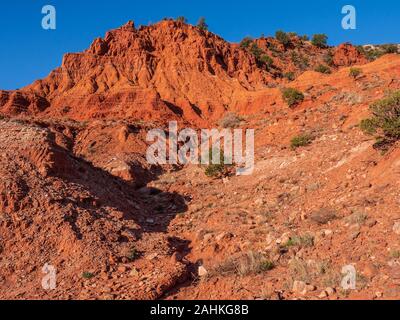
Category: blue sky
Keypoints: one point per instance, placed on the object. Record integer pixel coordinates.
(29, 52)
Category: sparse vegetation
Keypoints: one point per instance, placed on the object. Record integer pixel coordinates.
(328, 59)
(266, 265)
(320, 40)
(301, 140)
(374, 52)
(289, 75)
(87, 275)
(230, 120)
(266, 60)
(370, 54)
(305, 38)
(292, 96)
(390, 48)
(300, 61)
(214, 170)
(395, 254)
(306, 240)
(133, 254)
(262, 59)
(323, 69)
(385, 121)
(355, 72)
(256, 51)
(244, 265)
(246, 42)
(357, 217)
(283, 38)
(314, 272)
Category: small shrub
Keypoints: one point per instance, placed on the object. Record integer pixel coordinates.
(301, 141)
(181, 19)
(355, 72)
(202, 25)
(266, 60)
(328, 59)
(305, 37)
(230, 120)
(300, 61)
(290, 243)
(371, 54)
(266, 265)
(368, 126)
(357, 217)
(246, 42)
(292, 96)
(256, 51)
(289, 75)
(320, 40)
(87, 275)
(323, 69)
(385, 121)
(283, 38)
(306, 240)
(133, 254)
(318, 272)
(395, 254)
(214, 170)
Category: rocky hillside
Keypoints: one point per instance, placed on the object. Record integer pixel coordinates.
(165, 70)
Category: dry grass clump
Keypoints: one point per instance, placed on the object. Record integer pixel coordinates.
(244, 265)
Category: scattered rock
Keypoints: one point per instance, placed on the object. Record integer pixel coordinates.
(370, 271)
(223, 235)
(371, 223)
(134, 272)
(122, 269)
(330, 291)
(354, 235)
(396, 228)
(202, 272)
(312, 187)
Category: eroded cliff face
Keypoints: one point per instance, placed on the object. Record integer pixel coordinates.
(166, 70)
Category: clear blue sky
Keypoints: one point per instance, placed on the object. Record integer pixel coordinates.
(29, 52)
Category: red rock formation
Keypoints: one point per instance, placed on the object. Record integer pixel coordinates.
(165, 71)
(347, 55)
(156, 71)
